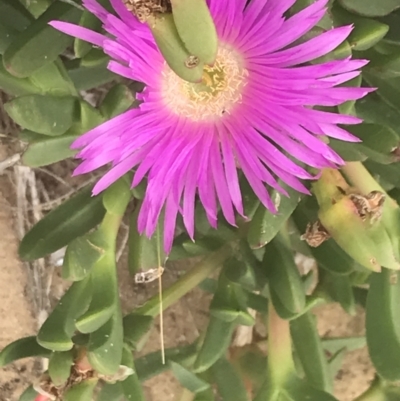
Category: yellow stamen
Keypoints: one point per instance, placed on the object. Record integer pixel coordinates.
(218, 92)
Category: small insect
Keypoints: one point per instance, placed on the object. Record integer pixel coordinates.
(315, 234)
(149, 275)
(143, 9)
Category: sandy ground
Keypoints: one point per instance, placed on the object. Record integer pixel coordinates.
(16, 318)
(182, 322)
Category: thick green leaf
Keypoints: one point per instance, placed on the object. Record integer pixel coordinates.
(339, 289)
(68, 221)
(348, 151)
(14, 15)
(104, 303)
(53, 79)
(265, 225)
(309, 349)
(380, 138)
(151, 364)
(15, 86)
(366, 33)
(335, 344)
(216, 342)
(131, 386)
(135, 327)
(250, 200)
(117, 196)
(293, 389)
(383, 323)
(284, 277)
(22, 348)
(378, 141)
(257, 302)
(48, 115)
(57, 331)
(90, 21)
(14, 18)
(370, 8)
(230, 303)
(384, 66)
(284, 313)
(372, 110)
(60, 364)
(39, 42)
(144, 253)
(207, 395)
(188, 379)
(82, 391)
(93, 58)
(242, 272)
(29, 136)
(201, 246)
(229, 384)
(385, 173)
(393, 21)
(37, 7)
(7, 35)
(118, 99)
(49, 150)
(90, 117)
(110, 392)
(85, 78)
(388, 90)
(81, 255)
(106, 344)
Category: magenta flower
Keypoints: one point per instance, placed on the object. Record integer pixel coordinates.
(253, 108)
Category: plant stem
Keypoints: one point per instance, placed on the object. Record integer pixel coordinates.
(109, 227)
(280, 360)
(186, 283)
(359, 176)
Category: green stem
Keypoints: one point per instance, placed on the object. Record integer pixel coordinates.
(186, 283)
(359, 176)
(280, 360)
(109, 228)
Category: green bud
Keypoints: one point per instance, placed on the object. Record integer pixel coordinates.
(196, 28)
(186, 65)
(368, 244)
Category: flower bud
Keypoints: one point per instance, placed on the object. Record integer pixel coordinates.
(355, 222)
(186, 65)
(368, 244)
(196, 28)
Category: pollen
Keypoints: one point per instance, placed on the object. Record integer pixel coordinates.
(218, 92)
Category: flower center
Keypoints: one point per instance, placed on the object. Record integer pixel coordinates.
(218, 92)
